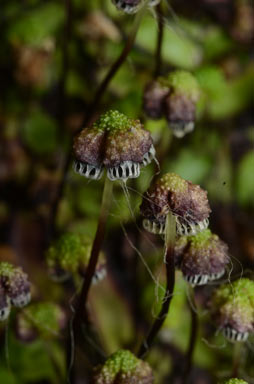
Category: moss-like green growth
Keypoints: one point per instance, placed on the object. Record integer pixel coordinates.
(121, 361)
(173, 183)
(202, 239)
(113, 121)
(240, 291)
(182, 82)
(123, 368)
(233, 305)
(7, 270)
(69, 252)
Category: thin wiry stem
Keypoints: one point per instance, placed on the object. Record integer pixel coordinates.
(80, 321)
(236, 359)
(80, 315)
(114, 68)
(158, 55)
(193, 335)
(170, 275)
(62, 107)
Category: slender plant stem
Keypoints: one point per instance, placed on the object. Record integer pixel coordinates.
(92, 108)
(236, 359)
(80, 319)
(193, 334)
(62, 106)
(158, 55)
(80, 315)
(170, 274)
(115, 67)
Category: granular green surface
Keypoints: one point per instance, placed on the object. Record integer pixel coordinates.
(173, 183)
(182, 82)
(113, 121)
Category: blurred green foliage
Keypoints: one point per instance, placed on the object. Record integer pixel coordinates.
(37, 24)
(40, 133)
(244, 180)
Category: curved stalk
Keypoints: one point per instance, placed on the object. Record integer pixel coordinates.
(158, 55)
(237, 350)
(80, 319)
(67, 33)
(80, 315)
(170, 274)
(115, 67)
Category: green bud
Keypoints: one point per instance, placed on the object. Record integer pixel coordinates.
(123, 368)
(182, 82)
(232, 306)
(69, 255)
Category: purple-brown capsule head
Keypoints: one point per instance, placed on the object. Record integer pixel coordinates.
(115, 142)
(201, 258)
(180, 104)
(232, 307)
(123, 368)
(133, 6)
(188, 203)
(16, 284)
(153, 99)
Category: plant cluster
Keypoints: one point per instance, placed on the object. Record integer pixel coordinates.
(133, 229)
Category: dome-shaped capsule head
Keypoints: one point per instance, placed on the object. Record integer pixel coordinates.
(16, 284)
(202, 258)
(188, 203)
(133, 6)
(69, 255)
(88, 151)
(121, 144)
(123, 368)
(232, 307)
(154, 98)
(43, 319)
(5, 307)
(180, 103)
(128, 147)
